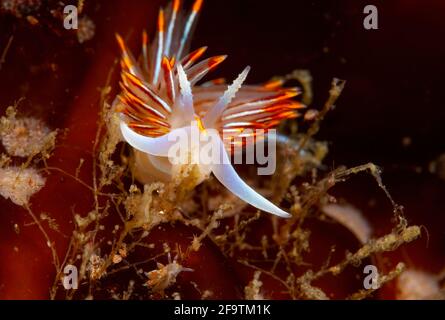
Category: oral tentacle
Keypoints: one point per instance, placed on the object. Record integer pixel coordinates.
(159, 146)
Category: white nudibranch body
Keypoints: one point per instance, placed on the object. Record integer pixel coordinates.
(164, 112)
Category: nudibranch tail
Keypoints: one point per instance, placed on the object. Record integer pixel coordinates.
(228, 177)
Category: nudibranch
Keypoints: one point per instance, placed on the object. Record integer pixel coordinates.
(160, 100)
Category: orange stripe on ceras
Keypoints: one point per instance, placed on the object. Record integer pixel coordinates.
(242, 138)
(149, 132)
(192, 57)
(279, 97)
(161, 21)
(153, 120)
(176, 5)
(290, 93)
(125, 61)
(218, 81)
(197, 6)
(282, 95)
(280, 106)
(276, 119)
(214, 61)
(145, 53)
(133, 99)
(144, 119)
(126, 76)
(274, 84)
(133, 106)
(251, 125)
(166, 66)
(129, 109)
(138, 83)
(120, 41)
(130, 113)
(197, 54)
(144, 38)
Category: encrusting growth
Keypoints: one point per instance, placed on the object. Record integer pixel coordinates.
(23, 137)
(19, 184)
